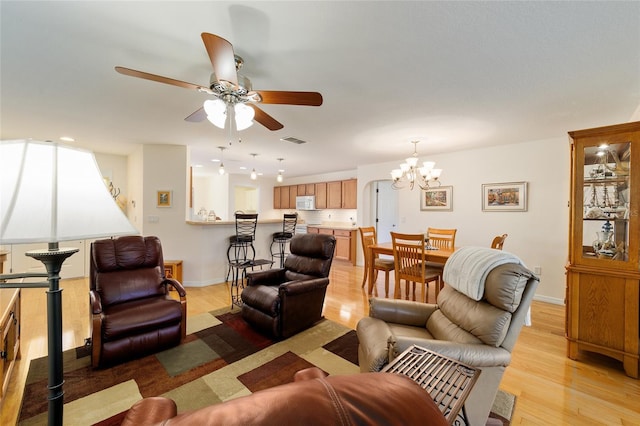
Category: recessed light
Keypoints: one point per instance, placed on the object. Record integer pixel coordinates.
(67, 139)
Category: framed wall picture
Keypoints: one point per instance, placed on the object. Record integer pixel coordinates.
(164, 199)
(440, 198)
(509, 196)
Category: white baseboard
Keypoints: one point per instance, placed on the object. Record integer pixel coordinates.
(548, 299)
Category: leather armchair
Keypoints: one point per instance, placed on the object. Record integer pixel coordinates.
(481, 333)
(132, 313)
(312, 399)
(284, 301)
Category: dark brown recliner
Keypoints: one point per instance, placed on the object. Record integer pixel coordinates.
(312, 399)
(132, 313)
(284, 301)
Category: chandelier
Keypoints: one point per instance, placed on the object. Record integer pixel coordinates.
(409, 172)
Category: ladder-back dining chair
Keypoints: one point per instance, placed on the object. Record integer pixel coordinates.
(368, 238)
(410, 260)
(498, 241)
(442, 238)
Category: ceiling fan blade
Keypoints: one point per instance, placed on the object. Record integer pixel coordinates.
(160, 79)
(290, 98)
(223, 60)
(197, 116)
(265, 119)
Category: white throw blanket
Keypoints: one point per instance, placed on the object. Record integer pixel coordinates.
(467, 268)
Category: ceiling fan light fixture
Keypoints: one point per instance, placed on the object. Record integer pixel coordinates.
(217, 110)
(244, 116)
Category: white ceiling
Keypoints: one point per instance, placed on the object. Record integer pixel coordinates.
(454, 75)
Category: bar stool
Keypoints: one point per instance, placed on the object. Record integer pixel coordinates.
(280, 239)
(242, 241)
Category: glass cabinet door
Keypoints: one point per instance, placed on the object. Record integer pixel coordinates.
(606, 201)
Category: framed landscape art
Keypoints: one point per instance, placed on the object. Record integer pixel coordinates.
(440, 198)
(509, 196)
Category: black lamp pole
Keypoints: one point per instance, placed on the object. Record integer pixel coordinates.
(53, 258)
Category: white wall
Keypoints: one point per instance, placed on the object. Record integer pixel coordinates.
(538, 236)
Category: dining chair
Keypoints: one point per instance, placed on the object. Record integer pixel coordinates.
(410, 260)
(442, 238)
(498, 241)
(368, 238)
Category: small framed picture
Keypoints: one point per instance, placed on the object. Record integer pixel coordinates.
(164, 199)
(440, 198)
(509, 196)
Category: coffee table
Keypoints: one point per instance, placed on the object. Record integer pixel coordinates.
(448, 381)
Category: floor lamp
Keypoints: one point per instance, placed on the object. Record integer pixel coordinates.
(51, 193)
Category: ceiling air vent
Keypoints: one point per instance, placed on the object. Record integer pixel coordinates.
(293, 140)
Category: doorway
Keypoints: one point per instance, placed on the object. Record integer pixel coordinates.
(385, 206)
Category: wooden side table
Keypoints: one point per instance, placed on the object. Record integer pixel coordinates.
(448, 381)
(9, 334)
(173, 269)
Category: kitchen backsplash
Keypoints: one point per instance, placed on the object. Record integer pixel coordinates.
(325, 216)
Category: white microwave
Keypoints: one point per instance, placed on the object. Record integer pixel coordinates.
(306, 202)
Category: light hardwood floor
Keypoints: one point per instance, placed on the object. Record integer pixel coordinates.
(551, 389)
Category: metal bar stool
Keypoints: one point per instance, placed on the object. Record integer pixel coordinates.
(280, 239)
(240, 243)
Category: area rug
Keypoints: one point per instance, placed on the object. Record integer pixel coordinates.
(221, 358)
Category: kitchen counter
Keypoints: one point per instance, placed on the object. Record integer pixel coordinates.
(228, 222)
(340, 226)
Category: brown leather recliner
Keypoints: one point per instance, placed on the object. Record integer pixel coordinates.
(284, 301)
(312, 399)
(132, 313)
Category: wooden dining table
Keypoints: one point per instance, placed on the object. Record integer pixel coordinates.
(436, 256)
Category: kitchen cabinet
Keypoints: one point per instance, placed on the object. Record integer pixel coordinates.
(284, 197)
(293, 193)
(321, 195)
(603, 272)
(334, 195)
(341, 194)
(277, 202)
(345, 242)
(349, 194)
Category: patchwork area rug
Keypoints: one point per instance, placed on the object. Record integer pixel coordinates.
(221, 358)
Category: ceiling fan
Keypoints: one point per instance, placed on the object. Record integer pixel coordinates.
(235, 97)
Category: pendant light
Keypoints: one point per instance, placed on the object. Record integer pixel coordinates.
(280, 178)
(221, 168)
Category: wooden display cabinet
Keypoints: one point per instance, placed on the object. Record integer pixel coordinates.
(603, 272)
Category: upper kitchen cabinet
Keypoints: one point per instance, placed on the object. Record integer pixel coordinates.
(342, 194)
(350, 194)
(321, 195)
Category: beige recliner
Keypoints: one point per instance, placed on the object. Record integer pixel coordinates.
(480, 333)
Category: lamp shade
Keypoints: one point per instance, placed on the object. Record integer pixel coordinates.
(51, 192)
